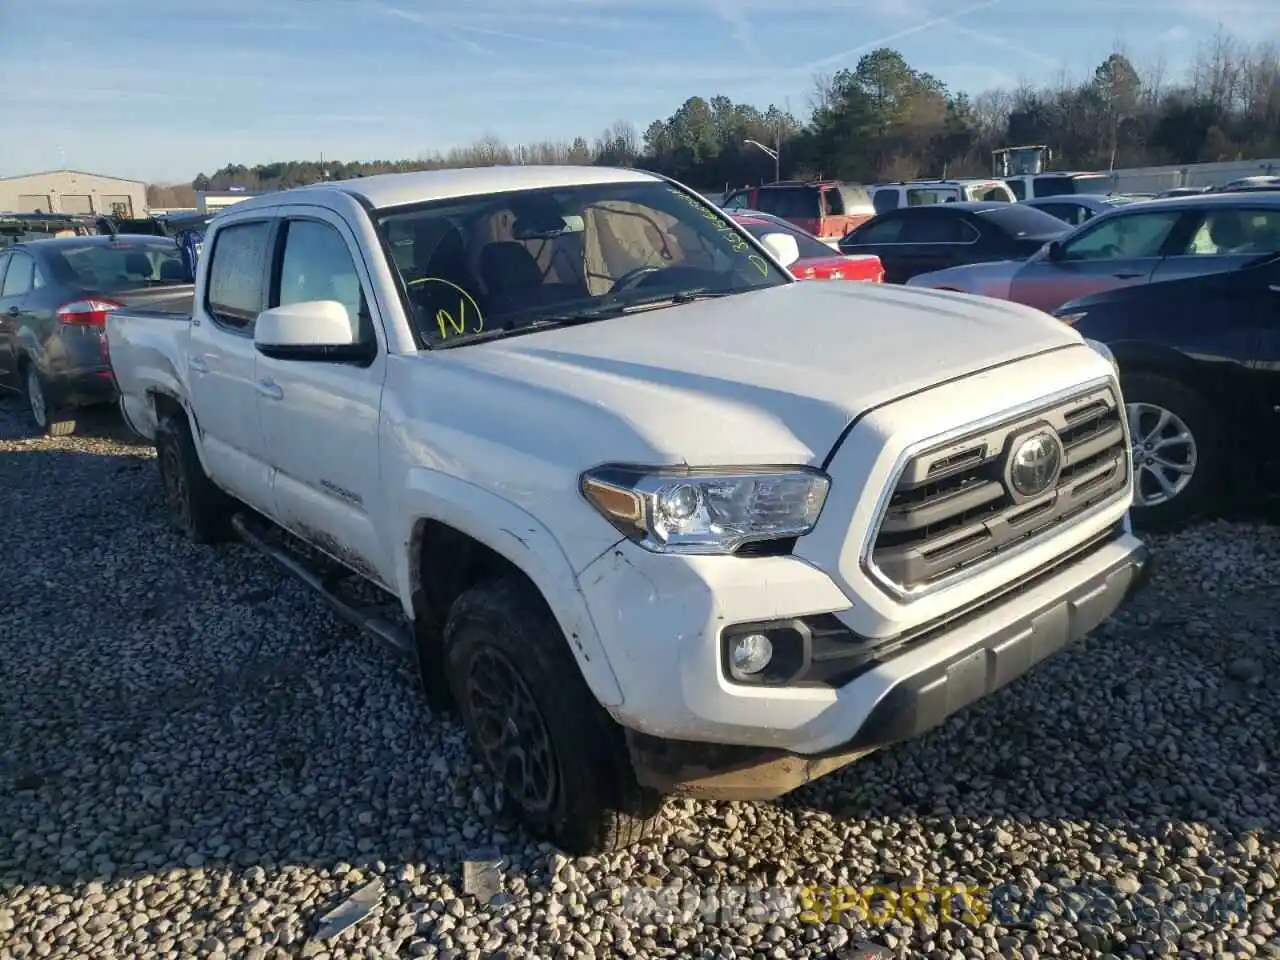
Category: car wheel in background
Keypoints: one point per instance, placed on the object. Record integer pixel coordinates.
(198, 509)
(46, 419)
(561, 759)
(1177, 451)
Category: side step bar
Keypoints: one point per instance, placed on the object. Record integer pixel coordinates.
(395, 635)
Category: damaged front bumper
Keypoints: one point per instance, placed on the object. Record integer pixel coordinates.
(1002, 649)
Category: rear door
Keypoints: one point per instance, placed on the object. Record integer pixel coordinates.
(15, 290)
(222, 358)
(882, 236)
(1113, 251)
(934, 240)
(1221, 239)
(1267, 363)
(8, 332)
(843, 208)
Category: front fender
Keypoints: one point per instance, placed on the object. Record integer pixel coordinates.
(512, 532)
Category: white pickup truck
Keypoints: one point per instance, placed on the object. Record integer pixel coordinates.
(654, 517)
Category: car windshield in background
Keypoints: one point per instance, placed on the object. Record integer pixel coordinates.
(120, 264)
(498, 264)
(1019, 221)
(810, 247)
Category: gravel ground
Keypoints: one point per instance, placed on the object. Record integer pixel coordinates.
(197, 760)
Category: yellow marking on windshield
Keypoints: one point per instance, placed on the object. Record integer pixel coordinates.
(446, 322)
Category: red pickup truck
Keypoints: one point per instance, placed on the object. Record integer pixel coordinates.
(828, 209)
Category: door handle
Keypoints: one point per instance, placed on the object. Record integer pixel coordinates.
(199, 365)
(269, 390)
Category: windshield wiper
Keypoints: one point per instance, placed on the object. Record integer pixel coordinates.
(542, 323)
(548, 322)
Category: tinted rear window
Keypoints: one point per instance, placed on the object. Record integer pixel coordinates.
(1018, 220)
(106, 267)
(799, 203)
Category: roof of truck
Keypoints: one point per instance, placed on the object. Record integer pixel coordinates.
(399, 189)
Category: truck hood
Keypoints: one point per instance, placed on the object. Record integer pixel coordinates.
(772, 376)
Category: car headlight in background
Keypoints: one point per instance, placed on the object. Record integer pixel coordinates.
(1101, 348)
(705, 511)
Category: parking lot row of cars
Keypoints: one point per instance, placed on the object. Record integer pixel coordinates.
(1200, 349)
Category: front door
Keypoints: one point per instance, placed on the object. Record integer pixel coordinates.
(222, 358)
(1114, 251)
(320, 420)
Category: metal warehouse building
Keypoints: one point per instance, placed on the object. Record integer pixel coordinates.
(73, 191)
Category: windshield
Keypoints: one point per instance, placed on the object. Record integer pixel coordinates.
(1019, 220)
(517, 261)
(120, 264)
(810, 247)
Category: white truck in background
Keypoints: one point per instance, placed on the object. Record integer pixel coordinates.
(655, 517)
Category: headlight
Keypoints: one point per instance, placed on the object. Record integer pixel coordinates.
(682, 510)
(1071, 319)
(1101, 348)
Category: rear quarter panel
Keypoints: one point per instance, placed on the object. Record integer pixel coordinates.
(148, 358)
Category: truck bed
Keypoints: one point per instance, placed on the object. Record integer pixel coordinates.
(174, 301)
(147, 343)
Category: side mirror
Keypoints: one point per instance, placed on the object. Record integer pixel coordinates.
(314, 330)
(1053, 250)
(783, 246)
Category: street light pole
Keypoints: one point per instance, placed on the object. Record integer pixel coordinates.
(777, 172)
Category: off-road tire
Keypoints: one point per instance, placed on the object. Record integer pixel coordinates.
(197, 509)
(598, 805)
(1205, 489)
(48, 421)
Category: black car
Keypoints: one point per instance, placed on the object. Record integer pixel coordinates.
(1200, 370)
(54, 299)
(914, 240)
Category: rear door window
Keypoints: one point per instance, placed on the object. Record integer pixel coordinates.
(886, 229)
(237, 283)
(1233, 231)
(924, 196)
(937, 228)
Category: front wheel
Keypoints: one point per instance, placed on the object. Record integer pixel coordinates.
(561, 759)
(1176, 443)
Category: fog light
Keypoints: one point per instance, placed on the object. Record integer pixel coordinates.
(750, 654)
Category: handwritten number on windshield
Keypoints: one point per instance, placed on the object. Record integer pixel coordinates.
(468, 318)
(731, 236)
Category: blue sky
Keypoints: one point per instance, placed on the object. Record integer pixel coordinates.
(119, 87)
